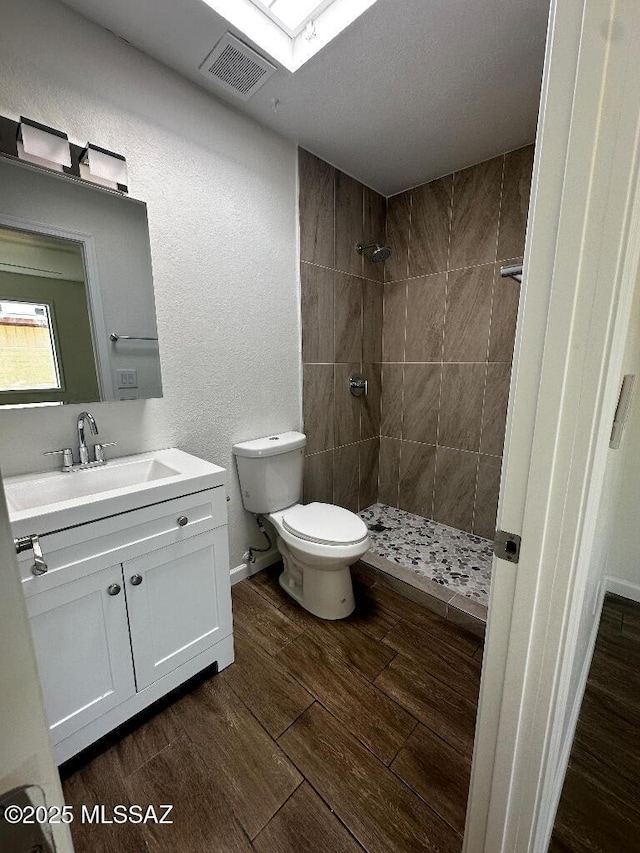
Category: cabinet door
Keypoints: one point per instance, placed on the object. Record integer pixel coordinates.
(81, 640)
(179, 600)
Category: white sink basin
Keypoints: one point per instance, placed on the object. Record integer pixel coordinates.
(31, 494)
(40, 503)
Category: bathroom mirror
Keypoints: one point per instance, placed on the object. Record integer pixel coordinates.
(77, 310)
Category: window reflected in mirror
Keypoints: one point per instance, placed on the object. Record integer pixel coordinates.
(29, 348)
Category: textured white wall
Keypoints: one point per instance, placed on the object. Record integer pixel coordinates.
(221, 196)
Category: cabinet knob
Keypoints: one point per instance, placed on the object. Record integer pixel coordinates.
(114, 589)
(136, 580)
(182, 520)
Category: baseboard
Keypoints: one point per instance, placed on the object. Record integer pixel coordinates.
(626, 589)
(245, 570)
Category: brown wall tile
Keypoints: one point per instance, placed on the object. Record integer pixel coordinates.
(317, 313)
(375, 227)
(370, 402)
(484, 522)
(494, 415)
(468, 314)
(461, 405)
(346, 476)
(394, 320)
(347, 312)
(349, 223)
(455, 484)
(351, 324)
(421, 402)
(372, 293)
(318, 406)
(347, 407)
(396, 267)
(391, 418)
(515, 202)
(369, 455)
(504, 315)
(430, 222)
(389, 472)
(425, 318)
(316, 209)
(476, 204)
(417, 471)
(318, 478)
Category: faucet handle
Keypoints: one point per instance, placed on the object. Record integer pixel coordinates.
(67, 456)
(98, 450)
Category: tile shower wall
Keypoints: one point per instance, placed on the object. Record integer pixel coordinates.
(447, 342)
(342, 299)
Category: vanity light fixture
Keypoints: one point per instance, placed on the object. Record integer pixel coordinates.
(104, 167)
(43, 145)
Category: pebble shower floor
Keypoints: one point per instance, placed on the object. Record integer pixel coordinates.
(457, 560)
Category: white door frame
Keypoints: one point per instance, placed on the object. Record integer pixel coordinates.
(581, 260)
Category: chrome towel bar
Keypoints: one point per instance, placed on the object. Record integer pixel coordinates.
(115, 337)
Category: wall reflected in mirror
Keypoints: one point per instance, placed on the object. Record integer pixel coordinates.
(46, 341)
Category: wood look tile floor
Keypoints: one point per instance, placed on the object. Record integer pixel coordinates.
(600, 805)
(329, 737)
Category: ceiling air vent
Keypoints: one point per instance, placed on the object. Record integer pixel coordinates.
(236, 67)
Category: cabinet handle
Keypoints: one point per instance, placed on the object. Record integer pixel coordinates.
(182, 520)
(114, 589)
(136, 580)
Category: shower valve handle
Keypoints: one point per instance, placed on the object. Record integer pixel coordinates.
(358, 385)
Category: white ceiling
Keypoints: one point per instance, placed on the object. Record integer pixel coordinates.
(412, 90)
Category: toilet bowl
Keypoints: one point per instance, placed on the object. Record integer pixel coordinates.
(318, 541)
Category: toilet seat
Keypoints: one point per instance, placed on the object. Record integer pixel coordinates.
(324, 524)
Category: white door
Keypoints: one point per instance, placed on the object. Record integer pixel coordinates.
(581, 261)
(81, 638)
(178, 603)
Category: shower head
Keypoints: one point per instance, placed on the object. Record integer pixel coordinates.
(380, 253)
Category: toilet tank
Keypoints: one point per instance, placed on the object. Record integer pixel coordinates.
(270, 471)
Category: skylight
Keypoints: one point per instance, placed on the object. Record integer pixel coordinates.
(290, 31)
(292, 15)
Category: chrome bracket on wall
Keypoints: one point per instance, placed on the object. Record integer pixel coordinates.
(23, 543)
(358, 385)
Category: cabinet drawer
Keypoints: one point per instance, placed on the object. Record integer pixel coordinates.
(79, 551)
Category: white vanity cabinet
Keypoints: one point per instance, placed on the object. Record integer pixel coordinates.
(130, 607)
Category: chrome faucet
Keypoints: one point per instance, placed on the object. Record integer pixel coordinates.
(68, 464)
(82, 444)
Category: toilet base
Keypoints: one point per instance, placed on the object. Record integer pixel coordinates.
(326, 592)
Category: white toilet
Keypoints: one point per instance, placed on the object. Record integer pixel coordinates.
(318, 542)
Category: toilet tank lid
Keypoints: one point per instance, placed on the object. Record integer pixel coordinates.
(271, 445)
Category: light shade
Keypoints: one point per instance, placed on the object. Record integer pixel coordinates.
(43, 145)
(104, 165)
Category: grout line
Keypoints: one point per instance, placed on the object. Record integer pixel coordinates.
(502, 176)
(413, 277)
(281, 806)
(428, 444)
(402, 745)
(475, 495)
(318, 793)
(308, 363)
